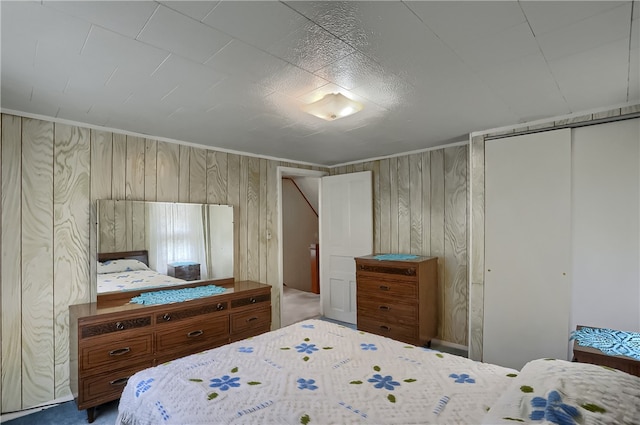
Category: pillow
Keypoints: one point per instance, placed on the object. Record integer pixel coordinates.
(548, 391)
(119, 266)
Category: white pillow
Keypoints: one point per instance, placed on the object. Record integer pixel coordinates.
(547, 389)
(119, 266)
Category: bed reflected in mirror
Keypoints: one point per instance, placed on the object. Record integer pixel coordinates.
(142, 245)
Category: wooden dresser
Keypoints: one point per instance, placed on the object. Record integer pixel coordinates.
(109, 344)
(398, 299)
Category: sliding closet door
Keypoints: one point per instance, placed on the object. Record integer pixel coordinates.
(527, 248)
(606, 211)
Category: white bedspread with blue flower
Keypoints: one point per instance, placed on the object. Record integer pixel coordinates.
(549, 391)
(135, 279)
(314, 372)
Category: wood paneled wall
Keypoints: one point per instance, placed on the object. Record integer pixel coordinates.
(52, 174)
(420, 207)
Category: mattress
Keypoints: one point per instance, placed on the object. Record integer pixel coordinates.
(314, 372)
(133, 280)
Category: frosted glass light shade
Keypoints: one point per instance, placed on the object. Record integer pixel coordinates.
(333, 106)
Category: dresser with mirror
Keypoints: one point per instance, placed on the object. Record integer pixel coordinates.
(146, 314)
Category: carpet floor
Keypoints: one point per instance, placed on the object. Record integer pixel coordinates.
(68, 414)
(299, 305)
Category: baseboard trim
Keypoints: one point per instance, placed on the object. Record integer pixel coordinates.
(450, 344)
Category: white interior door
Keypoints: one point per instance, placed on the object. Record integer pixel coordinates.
(346, 232)
(527, 248)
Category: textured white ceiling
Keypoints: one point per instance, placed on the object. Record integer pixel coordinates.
(233, 74)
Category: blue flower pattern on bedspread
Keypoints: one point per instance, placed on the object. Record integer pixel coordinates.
(306, 348)
(307, 326)
(212, 379)
(307, 384)
(553, 410)
(225, 382)
(162, 411)
(462, 378)
(143, 386)
(385, 382)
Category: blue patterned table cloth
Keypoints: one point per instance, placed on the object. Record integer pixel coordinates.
(176, 295)
(609, 341)
(395, 257)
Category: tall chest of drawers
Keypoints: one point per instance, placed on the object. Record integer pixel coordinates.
(109, 344)
(398, 298)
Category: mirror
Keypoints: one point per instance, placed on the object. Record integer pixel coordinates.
(181, 243)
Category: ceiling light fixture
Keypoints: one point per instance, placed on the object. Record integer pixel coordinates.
(333, 106)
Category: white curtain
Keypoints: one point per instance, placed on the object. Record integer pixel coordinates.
(177, 235)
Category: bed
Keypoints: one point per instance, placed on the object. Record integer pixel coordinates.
(317, 372)
(129, 271)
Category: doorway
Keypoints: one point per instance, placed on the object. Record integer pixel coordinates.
(298, 198)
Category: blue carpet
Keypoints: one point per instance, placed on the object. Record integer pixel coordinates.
(68, 414)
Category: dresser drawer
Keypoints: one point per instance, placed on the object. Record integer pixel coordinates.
(107, 386)
(395, 331)
(254, 299)
(250, 319)
(387, 311)
(172, 316)
(114, 352)
(387, 288)
(111, 326)
(173, 355)
(258, 330)
(387, 269)
(203, 331)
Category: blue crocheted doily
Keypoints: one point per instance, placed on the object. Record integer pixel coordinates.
(167, 296)
(395, 257)
(609, 341)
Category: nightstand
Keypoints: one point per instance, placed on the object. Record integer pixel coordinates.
(585, 354)
(185, 270)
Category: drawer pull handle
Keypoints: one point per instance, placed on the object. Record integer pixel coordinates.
(119, 382)
(220, 306)
(251, 319)
(194, 334)
(384, 308)
(119, 351)
(253, 300)
(385, 328)
(384, 287)
(119, 326)
(166, 317)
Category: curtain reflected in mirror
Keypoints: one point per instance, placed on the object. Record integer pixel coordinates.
(178, 237)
